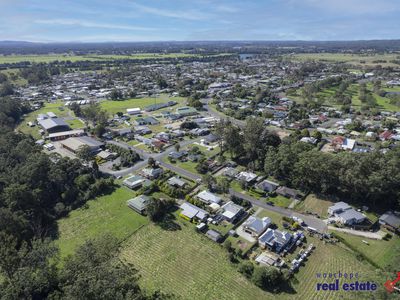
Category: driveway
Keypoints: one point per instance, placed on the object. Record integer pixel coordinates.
(244, 234)
(371, 235)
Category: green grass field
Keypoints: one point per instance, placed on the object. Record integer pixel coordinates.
(121, 106)
(355, 59)
(106, 214)
(189, 265)
(382, 252)
(75, 124)
(328, 258)
(314, 204)
(353, 92)
(186, 264)
(75, 58)
(57, 107)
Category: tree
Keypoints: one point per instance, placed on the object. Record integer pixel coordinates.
(223, 184)
(246, 268)
(116, 94)
(195, 103)
(256, 141)
(76, 108)
(99, 130)
(151, 162)
(94, 273)
(28, 271)
(317, 135)
(228, 245)
(177, 147)
(85, 153)
(233, 140)
(267, 278)
(209, 181)
(6, 89)
(305, 133)
(157, 208)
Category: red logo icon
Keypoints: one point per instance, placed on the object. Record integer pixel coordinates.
(390, 285)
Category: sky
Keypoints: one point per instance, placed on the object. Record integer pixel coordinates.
(191, 20)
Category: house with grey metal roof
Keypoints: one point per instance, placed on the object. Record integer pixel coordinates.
(350, 217)
(139, 203)
(208, 198)
(275, 240)
(256, 226)
(338, 208)
(267, 186)
(390, 220)
(345, 214)
(192, 212)
(176, 182)
(232, 212)
(135, 181)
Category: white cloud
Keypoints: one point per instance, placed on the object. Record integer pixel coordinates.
(352, 6)
(193, 15)
(73, 22)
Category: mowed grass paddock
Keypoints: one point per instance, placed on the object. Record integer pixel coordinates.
(75, 58)
(121, 106)
(327, 258)
(382, 252)
(106, 214)
(314, 204)
(187, 264)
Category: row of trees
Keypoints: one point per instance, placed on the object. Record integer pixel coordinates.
(371, 179)
(36, 190)
(250, 144)
(31, 271)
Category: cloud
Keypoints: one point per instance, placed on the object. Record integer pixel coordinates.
(351, 6)
(193, 15)
(74, 22)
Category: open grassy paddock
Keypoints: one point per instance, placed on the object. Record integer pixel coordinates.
(186, 264)
(314, 204)
(56, 107)
(353, 92)
(382, 252)
(106, 214)
(94, 57)
(354, 59)
(75, 124)
(327, 258)
(121, 106)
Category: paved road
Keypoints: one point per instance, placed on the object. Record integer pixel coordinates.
(106, 167)
(309, 220)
